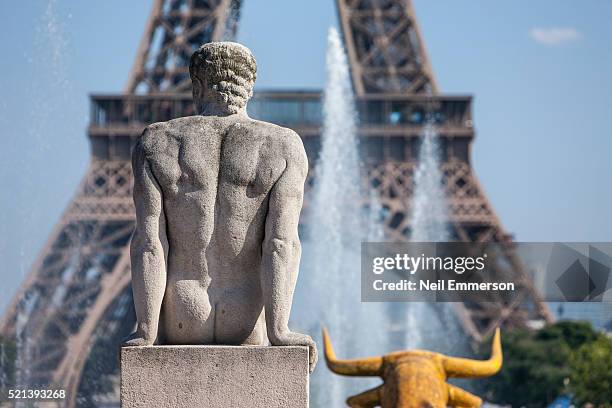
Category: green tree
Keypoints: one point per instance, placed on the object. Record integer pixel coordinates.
(537, 368)
(591, 373)
(533, 372)
(574, 334)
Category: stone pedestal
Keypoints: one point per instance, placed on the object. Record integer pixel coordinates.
(214, 377)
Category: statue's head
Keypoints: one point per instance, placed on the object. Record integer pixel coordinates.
(223, 75)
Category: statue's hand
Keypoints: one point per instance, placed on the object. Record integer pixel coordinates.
(297, 339)
(138, 339)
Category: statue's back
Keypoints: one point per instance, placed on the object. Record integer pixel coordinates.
(215, 174)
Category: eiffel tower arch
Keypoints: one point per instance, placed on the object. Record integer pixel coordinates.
(75, 305)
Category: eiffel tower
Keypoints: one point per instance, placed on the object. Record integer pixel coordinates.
(75, 305)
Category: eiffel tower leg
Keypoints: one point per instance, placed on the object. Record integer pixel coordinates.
(83, 268)
(70, 369)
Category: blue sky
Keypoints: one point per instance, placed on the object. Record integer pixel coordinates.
(540, 73)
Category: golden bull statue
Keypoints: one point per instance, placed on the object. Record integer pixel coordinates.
(415, 378)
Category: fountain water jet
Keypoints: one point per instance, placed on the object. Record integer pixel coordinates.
(430, 223)
(337, 224)
(429, 210)
(52, 98)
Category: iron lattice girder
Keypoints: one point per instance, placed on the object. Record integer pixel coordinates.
(174, 30)
(83, 268)
(385, 47)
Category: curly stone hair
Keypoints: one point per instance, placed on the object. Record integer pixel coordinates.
(228, 71)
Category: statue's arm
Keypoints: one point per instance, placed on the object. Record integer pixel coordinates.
(281, 249)
(148, 250)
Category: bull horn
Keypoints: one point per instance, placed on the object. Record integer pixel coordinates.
(371, 366)
(465, 368)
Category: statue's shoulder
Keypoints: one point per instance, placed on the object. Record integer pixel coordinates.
(156, 137)
(284, 142)
(280, 138)
(153, 138)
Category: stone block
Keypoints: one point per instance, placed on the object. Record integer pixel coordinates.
(214, 376)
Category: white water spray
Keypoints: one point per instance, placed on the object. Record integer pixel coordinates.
(429, 209)
(22, 364)
(336, 198)
(53, 101)
(329, 288)
(231, 21)
(426, 322)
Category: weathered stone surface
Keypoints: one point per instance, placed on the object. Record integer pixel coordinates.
(214, 376)
(218, 198)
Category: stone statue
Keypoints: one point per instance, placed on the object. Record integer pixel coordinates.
(215, 253)
(415, 378)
